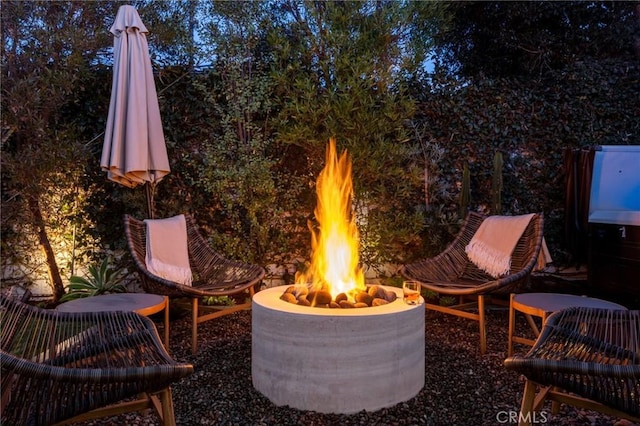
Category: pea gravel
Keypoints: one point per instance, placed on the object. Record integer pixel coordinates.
(461, 386)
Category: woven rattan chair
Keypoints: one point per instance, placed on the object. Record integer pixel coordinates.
(586, 357)
(452, 273)
(213, 275)
(58, 366)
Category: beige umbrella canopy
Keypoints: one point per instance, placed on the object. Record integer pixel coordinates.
(134, 150)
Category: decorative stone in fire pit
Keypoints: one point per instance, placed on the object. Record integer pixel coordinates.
(374, 295)
(336, 360)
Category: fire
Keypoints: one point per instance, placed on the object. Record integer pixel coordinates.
(335, 244)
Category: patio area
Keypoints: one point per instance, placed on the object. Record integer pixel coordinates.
(462, 387)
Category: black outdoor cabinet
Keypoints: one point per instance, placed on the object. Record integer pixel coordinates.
(614, 224)
(614, 260)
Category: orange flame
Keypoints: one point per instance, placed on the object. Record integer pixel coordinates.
(335, 244)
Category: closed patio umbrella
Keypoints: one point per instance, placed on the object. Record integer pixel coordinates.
(134, 150)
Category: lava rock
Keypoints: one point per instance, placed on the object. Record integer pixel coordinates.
(346, 304)
(301, 290)
(320, 297)
(364, 298)
(379, 302)
(289, 297)
(390, 296)
(302, 301)
(380, 293)
(373, 290)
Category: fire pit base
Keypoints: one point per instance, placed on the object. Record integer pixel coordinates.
(336, 360)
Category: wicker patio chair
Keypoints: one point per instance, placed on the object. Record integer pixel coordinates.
(213, 275)
(452, 273)
(67, 367)
(586, 357)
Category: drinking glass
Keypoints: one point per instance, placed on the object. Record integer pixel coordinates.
(411, 292)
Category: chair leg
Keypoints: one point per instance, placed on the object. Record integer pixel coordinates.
(512, 326)
(194, 326)
(533, 324)
(168, 418)
(166, 322)
(483, 329)
(162, 403)
(526, 408)
(555, 405)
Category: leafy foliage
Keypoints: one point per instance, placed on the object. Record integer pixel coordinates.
(219, 300)
(531, 121)
(340, 69)
(42, 160)
(102, 279)
(500, 39)
(54, 99)
(246, 134)
(238, 164)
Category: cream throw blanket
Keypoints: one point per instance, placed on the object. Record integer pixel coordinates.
(491, 246)
(167, 252)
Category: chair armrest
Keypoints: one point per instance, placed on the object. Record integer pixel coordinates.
(35, 370)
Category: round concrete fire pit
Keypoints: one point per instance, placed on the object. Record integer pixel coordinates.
(336, 360)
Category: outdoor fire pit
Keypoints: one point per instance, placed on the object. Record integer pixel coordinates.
(336, 360)
(330, 343)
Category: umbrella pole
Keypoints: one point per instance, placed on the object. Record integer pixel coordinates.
(150, 193)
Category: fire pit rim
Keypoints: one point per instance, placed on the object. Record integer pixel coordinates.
(272, 296)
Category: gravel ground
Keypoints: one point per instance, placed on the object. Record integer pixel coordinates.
(461, 387)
